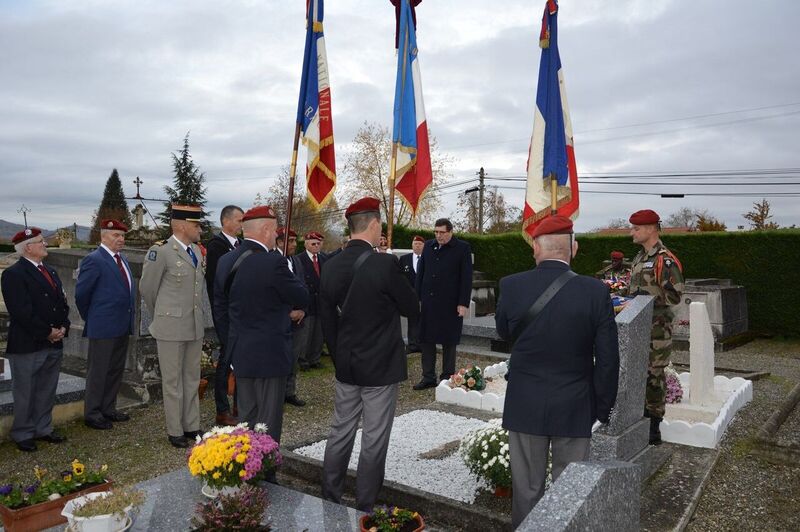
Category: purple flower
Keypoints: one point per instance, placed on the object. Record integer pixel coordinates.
(5, 490)
(32, 488)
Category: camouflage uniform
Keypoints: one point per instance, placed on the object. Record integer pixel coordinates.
(609, 274)
(658, 273)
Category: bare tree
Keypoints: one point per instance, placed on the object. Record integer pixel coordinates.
(759, 216)
(499, 216)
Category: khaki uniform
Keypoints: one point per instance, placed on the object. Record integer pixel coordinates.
(172, 289)
(658, 273)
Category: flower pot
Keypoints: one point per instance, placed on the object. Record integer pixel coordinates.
(415, 525)
(45, 514)
(201, 388)
(213, 493)
(95, 523)
(502, 491)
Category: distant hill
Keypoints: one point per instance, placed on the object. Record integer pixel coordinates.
(9, 229)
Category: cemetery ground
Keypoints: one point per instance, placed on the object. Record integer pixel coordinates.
(739, 486)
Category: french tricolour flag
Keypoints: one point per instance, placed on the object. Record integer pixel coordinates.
(551, 149)
(410, 132)
(314, 109)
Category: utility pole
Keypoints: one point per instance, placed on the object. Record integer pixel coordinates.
(481, 175)
(24, 210)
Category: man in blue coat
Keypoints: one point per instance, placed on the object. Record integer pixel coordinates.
(105, 295)
(444, 285)
(39, 320)
(260, 300)
(564, 365)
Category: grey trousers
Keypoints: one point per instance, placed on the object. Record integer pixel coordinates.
(528, 454)
(312, 350)
(106, 363)
(298, 346)
(261, 401)
(377, 404)
(33, 388)
(180, 377)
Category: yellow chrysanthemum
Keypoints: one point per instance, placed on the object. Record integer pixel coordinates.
(216, 475)
(242, 473)
(241, 458)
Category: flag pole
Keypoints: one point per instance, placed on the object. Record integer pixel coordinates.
(290, 198)
(553, 194)
(393, 165)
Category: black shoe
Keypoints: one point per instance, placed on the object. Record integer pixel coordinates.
(117, 417)
(180, 442)
(294, 400)
(655, 430)
(103, 424)
(191, 435)
(421, 385)
(53, 437)
(27, 446)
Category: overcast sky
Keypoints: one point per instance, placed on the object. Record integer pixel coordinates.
(653, 86)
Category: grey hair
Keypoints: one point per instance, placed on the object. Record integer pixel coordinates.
(19, 247)
(556, 246)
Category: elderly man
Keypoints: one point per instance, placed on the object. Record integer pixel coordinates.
(262, 295)
(230, 218)
(564, 362)
(410, 264)
(311, 262)
(172, 288)
(39, 321)
(362, 296)
(105, 297)
(656, 271)
(444, 285)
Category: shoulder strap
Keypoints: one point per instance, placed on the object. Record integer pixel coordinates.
(229, 279)
(540, 303)
(356, 266)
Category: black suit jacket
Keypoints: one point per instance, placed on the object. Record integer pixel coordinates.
(216, 247)
(311, 278)
(564, 367)
(33, 306)
(407, 262)
(366, 341)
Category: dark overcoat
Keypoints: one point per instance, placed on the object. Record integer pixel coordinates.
(444, 281)
(216, 247)
(366, 340)
(564, 367)
(407, 263)
(34, 307)
(311, 278)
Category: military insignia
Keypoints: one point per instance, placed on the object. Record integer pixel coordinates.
(648, 264)
(179, 263)
(668, 263)
(152, 255)
(28, 232)
(110, 224)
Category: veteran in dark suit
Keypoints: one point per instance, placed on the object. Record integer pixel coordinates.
(362, 296)
(564, 365)
(105, 295)
(230, 218)
(444, 285)
(172, 287)
(38, 313)
(410, 264)
(311, 261)
(262, 296)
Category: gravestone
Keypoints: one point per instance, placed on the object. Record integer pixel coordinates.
(726, 304)
(701, 356)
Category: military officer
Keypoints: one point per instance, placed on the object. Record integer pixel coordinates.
(655, 271)
(616, 271)
(172, 288)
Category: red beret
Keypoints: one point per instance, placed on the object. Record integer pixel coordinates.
(645, 217)
(363, 205)
(418, 238)
(262, 211)
(553, 225)
(26, 234)
(114, 225)
(282, 232)
(313, 235)
(617, 255)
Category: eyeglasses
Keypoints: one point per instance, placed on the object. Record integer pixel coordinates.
(37, 242)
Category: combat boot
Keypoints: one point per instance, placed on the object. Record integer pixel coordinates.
(655, 431)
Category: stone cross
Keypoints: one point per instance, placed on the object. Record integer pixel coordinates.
(701, 356)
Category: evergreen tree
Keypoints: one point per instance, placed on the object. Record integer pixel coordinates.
(187, 188)
(113, 205)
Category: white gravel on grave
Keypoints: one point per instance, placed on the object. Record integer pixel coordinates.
(415, 433)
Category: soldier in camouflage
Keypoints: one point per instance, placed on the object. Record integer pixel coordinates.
(617, 270)
(655, 271)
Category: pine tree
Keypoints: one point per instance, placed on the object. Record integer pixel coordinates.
(187, 188)
(113, 205)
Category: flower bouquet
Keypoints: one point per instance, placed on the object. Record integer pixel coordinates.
(470, 378)
(485, 451)
(390, 519)
(674, 388)
(230, 456)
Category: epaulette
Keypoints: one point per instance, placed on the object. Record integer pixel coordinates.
(160, 242)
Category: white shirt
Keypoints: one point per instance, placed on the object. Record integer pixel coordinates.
(232, 239)
(288, 260)
(259, 243)
(311, 256)
(127, 273)
(415, 261)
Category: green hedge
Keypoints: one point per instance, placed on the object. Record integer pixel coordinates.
(766, 263)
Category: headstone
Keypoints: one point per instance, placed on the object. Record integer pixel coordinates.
(701, 356)
(726, 304)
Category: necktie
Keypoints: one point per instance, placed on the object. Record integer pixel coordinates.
(47, 276)
(316, 264)
(122, 270)
(191, 254)
(236, 244)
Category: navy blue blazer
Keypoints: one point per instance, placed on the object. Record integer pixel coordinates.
(264, 291)
(564, 367)
(311, 278)
(33, 306)
(216, 247)
(103, 298)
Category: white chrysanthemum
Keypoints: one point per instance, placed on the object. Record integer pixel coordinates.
(261, 427)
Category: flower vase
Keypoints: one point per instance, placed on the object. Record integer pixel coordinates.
(502, 491)
(45, 514)
(213, 493)
(201, 388)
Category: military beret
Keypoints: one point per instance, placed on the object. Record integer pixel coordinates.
(26, 234)
(188, 213)
(617, 255)
(645, 217)
(262, 211)
(363, 205)
(313, 235)
(113, 225)
(553, 225)
(418, 238)
(282, 233)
